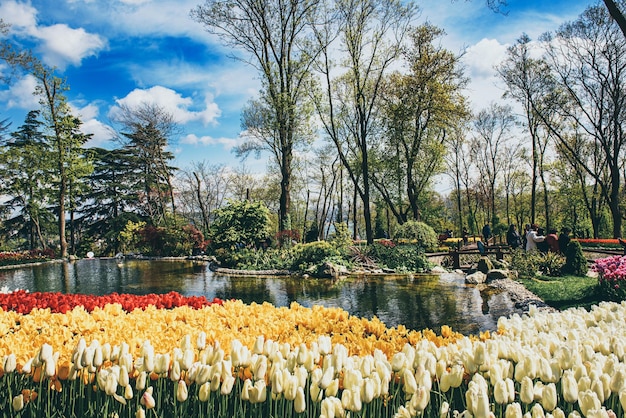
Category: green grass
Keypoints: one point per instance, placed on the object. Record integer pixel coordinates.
(564, 292)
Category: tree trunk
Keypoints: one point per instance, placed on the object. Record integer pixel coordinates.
(205, 218)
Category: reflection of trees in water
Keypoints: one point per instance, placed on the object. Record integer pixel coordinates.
(248, 289)
(299, 289)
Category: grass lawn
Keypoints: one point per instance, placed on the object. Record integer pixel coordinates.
(564, 292)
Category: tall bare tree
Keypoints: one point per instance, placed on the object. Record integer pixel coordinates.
(588, 61)
(493, 127)
(274, 34)
(371, 32)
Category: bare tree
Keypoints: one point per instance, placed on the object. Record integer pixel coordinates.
(588, 61)
(203, 189)
(493, 131)
(371, 33)
(275, 35)
(528, 82)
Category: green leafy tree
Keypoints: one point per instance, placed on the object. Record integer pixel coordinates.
(146, 133)
(24, 161)
(240, 224)
(421, 106)
(112, 201)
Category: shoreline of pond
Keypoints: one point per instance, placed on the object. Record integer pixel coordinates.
(519, 295)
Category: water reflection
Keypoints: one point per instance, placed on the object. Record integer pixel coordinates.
(421, 302)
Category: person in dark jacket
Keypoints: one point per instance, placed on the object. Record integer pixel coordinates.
(486, 233)
(513, 238)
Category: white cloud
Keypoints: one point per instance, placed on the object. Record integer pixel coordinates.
(20, 94)
(62, 44)
(59, 44)
(226, 143)
(173, 102)
(21, 16)
(102, 133)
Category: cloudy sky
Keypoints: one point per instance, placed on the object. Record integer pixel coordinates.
(116, 52)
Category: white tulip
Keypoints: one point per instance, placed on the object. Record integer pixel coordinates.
(513, 410)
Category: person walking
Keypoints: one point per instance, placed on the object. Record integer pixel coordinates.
(486, 233)
(533, 237)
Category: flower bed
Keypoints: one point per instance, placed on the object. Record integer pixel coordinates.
(611, 277)
(232, 359)
(599, 242)
(8, 258)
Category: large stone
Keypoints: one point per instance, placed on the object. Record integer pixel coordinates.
(476, 278)
(485, 265)
(332, 270)
(496, 274)
(438, 270)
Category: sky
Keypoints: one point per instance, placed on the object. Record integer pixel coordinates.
(125, 52)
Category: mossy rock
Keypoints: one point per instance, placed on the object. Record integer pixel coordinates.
(484, 265)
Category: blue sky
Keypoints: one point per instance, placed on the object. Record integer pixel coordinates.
(128, 51)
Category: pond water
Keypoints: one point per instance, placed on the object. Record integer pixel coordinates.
(424, 301)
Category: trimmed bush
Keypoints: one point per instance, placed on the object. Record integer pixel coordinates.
(575, 260)
(424, 234)
(313, 254)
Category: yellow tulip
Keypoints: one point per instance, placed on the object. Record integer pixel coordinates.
(141, 413)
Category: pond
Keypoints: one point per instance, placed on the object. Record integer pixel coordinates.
(423, 301)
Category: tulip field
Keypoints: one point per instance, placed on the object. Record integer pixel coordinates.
(173, 356)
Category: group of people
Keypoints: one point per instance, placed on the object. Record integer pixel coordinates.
(535, 239)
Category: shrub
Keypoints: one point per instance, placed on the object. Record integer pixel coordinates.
(529, 263)
(341, 238)
(425, 236)
(313, 254)
(405, 257)
(575, 260)
(240, 224)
